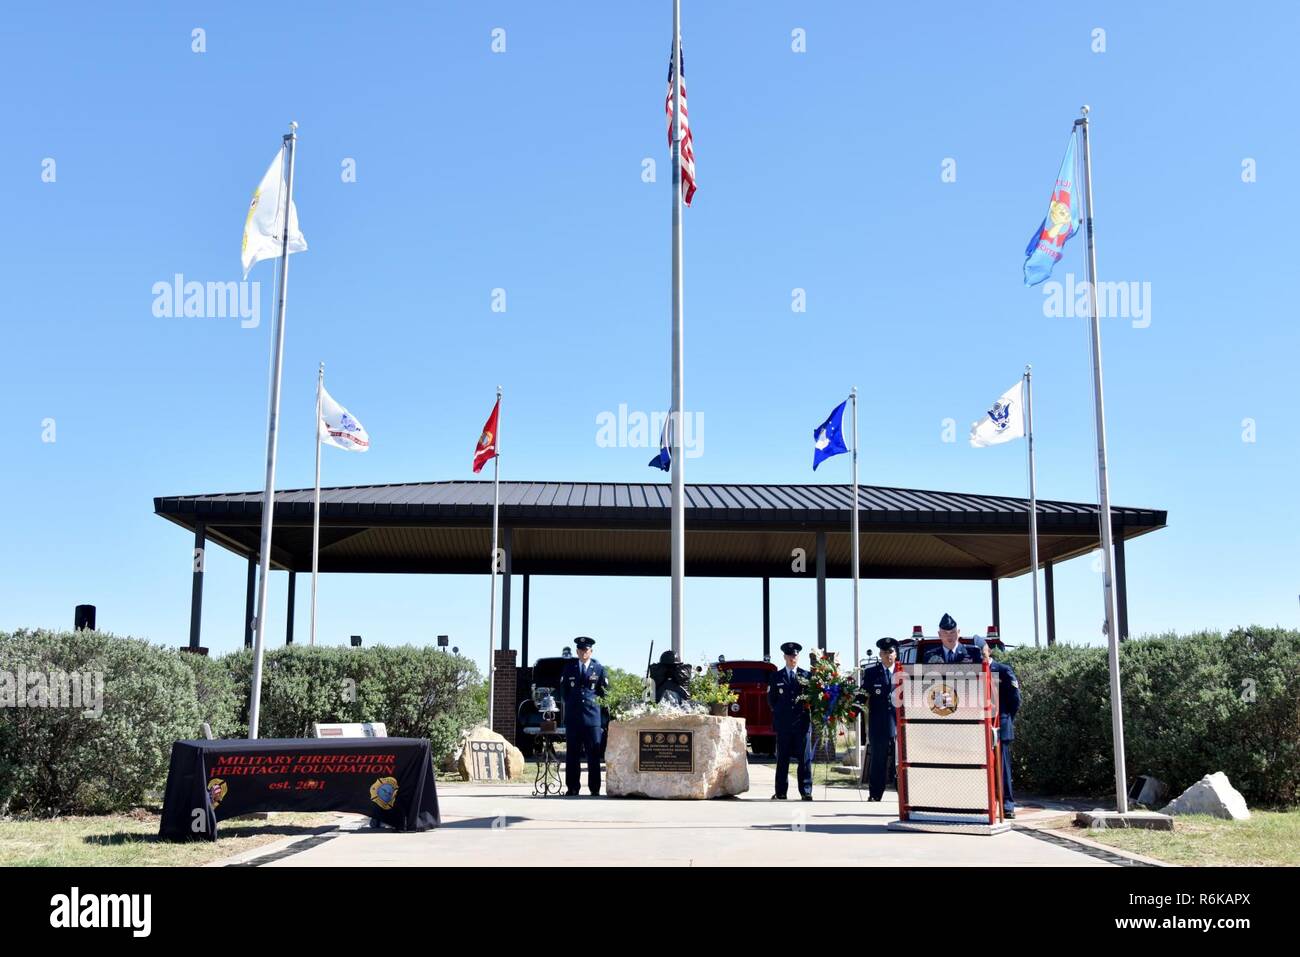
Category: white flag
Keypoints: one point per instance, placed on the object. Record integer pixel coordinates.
(338, 428)
(265, 223)
(1002, 423)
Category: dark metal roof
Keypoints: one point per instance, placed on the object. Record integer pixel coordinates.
(622, 528)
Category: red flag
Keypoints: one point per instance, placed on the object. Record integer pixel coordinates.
(487, 442)
(688, 141)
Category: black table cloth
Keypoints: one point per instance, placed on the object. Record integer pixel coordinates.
(390, 779)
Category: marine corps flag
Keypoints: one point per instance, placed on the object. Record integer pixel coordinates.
(486, 450)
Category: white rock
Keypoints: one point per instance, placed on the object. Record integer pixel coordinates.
(717, 754)
(514, 757)
(1212, 794)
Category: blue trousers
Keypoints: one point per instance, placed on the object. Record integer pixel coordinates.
(582, 739)
(796, 744)
(1008, 800)
(882, 755)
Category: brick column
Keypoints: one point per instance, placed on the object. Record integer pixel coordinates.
(505, 707)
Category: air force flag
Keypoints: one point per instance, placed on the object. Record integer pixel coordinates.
(1046, 246)
(1002, 423)
(664, 460)
(828, 438)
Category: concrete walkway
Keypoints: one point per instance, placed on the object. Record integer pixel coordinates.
(504, 825)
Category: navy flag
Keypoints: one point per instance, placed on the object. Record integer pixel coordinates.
(828, 438)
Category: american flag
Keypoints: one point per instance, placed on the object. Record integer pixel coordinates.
(688, 141)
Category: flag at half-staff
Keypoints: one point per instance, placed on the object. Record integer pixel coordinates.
(335, 426)
(688, 140)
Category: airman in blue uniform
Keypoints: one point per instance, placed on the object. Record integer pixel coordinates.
(790, 719)
(582, 683)
(952, 652)
(1008, 706)
(882, 719)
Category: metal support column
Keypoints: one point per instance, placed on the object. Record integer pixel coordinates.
(1050, 592)
(1121, 587)
(997, 607)
(508, 536)
(821, 591)
(288, 612)
(196, 592)
(523, 638)
(248, 601)
(767, 619)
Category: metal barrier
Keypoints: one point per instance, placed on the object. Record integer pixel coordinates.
(949, 769)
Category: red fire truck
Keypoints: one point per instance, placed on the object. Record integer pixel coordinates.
(749, 680)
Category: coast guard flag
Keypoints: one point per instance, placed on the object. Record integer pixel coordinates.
(1046, 246)
(338, 428)
(264, 226)
(828, 438)
(487, 442)
(664, 460)
(1002, 423)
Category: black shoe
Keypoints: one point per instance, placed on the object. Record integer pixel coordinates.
(1011, 813)
(807, 797)
(570, 794)
(778, 797)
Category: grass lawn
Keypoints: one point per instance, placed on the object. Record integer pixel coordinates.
(1269, 837)
(131, 839)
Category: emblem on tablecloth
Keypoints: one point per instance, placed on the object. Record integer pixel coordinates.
(384, 793)
(216, 791)
(942, 700)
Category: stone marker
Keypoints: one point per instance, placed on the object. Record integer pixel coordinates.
(716, 761)
(1212, 794)
(481, 770)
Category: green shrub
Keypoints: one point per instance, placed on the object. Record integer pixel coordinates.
(1192, 705)
(416, 692)
(55, 760)
(59, 760)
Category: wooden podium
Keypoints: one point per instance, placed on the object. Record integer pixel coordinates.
(949, 772)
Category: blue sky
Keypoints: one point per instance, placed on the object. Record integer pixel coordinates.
(521, 170)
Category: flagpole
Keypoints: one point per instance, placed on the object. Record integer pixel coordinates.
(273, 415)
(1033, 491)
(853, 395)
(492, 607)
(1103, 481)
(315, 525)
(678, 521)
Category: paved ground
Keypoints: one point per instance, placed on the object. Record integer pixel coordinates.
(506, 825)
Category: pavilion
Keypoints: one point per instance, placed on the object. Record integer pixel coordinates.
(581, 528)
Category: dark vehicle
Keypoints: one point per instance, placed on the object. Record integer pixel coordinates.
(749, 680)
(546, 680)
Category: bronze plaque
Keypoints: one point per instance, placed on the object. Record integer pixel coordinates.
(665, 751)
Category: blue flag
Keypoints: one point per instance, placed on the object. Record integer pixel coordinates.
(664, 460)
(828, 438)
(1047, 245)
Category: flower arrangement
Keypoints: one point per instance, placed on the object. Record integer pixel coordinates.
(830, 697)
(711, 686)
